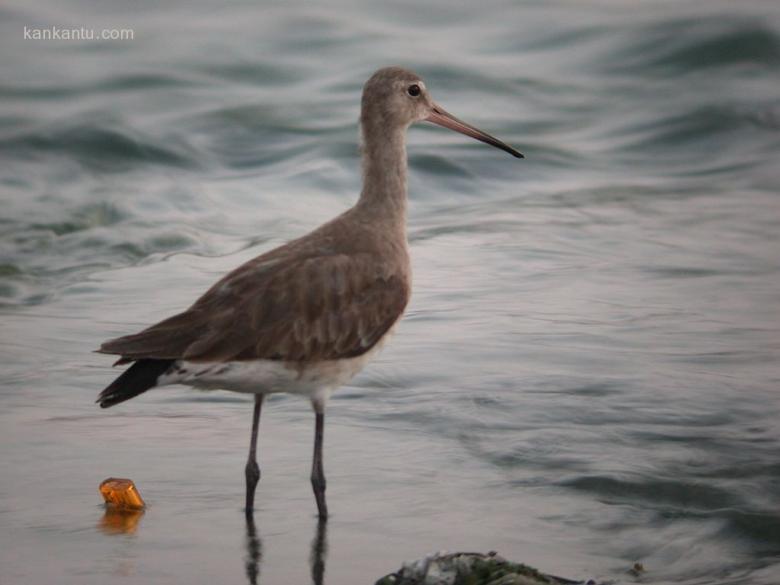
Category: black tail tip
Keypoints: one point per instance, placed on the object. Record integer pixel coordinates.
(135, 380)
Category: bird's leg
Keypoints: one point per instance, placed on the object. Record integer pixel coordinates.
(252, 470)
(317, 474)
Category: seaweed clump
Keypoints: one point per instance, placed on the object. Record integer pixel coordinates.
(471, 569)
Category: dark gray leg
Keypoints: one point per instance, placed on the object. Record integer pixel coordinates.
(317, 474)
(252, 470)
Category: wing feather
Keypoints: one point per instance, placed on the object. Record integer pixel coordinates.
(318, 308)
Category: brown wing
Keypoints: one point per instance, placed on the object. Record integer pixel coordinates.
(318, 308)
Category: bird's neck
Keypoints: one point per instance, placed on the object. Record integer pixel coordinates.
(384, 172)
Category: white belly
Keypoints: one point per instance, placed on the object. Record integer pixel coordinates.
(316, 380)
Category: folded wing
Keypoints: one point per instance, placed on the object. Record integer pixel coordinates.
(317, 308)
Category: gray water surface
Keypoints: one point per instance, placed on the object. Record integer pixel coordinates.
(587, 375)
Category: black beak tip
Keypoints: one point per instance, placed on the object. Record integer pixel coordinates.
(512, 151)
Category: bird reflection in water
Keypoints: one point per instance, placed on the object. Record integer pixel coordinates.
(254, 550)
(319, 552)
(116, 521)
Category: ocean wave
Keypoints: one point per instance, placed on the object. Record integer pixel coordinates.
(686, 46)
(106, 147)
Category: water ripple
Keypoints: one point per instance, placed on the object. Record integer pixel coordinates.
(592, 340)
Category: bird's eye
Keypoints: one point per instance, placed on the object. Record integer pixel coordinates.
(413, 90)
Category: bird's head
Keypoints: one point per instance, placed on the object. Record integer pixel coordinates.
(394, 97)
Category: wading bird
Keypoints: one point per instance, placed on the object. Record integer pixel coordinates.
(305, 317)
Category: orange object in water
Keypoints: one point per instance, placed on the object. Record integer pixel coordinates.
(121, 493)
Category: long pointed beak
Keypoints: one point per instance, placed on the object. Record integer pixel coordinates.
(442, 117)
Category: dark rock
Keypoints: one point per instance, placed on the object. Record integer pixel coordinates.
(470, 569)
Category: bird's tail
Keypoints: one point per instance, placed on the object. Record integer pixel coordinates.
(135, 380)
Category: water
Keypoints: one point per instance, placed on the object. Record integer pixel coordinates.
(587, 374)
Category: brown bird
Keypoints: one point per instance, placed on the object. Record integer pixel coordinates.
(305, 317)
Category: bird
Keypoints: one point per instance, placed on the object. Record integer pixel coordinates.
(305, 317)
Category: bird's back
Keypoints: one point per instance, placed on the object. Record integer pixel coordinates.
(332, 294)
